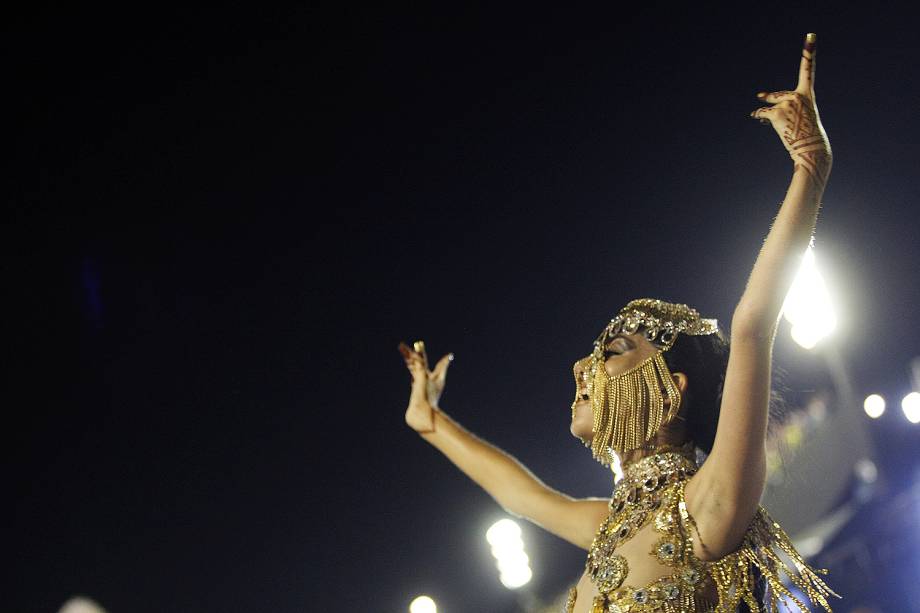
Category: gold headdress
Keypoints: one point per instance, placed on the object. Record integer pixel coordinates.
(629, 407)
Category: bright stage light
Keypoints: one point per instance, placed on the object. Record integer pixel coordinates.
(911, 407)
(808, 305)
(513, 560)
(866, 470)
(423, 604)
(515, 578)
(874, 406)
(504, 533)
(508, 548)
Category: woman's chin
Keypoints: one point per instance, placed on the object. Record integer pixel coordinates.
(579, 432)
(582, 426)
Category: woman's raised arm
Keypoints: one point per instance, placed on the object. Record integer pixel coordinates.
(794, 117)
(727, 490)
(509, 482)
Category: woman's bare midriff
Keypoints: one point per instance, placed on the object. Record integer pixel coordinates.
(644, 568)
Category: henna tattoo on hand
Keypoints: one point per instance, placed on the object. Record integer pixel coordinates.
(804, 138)
(794, 116)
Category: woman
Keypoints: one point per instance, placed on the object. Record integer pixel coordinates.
(661, 390)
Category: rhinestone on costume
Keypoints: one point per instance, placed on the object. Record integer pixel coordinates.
(601, 551)
(650, 504)
(691, 576)
(640, 596)
(666, 550)
(664, 520)
(670, 591)
(611, 575)
(614, 608)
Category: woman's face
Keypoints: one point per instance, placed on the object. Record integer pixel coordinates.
(621, 352)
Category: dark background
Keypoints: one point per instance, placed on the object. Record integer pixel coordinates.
(220, 222)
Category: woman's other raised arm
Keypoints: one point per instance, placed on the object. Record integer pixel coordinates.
(502, 476)
(726, 492)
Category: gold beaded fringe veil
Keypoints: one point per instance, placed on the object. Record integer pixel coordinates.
(629, 408)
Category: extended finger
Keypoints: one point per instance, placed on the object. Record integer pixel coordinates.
(409, 354)
(764, 113)
(774, 97)
(440, 369)
(420, 349)
(807, 65)
(412, 359)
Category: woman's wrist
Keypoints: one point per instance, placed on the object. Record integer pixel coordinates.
(815, 170)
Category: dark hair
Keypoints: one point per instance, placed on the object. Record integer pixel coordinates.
(704, 360)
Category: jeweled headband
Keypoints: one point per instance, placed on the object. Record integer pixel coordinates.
(663, 321)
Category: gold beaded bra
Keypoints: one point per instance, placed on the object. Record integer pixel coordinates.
(652, 491)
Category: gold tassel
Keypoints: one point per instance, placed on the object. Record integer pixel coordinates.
(733, 575)
(629, 408)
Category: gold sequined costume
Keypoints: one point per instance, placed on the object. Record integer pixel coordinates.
(652, 491)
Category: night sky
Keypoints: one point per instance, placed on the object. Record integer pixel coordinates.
(221, 222)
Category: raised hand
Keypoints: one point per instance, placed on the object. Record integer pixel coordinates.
(427, 386)
(794, 116)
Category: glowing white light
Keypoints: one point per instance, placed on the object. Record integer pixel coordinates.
(866, 470)
(810, 546)
(808, 305)
(911, 407)
(503, 533)
(81, 605)
(508, 548)
(874, 406)
(516, 578)
(806, 336)
(512, 561)
(423, 604)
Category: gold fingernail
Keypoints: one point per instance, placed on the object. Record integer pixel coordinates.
(419, 346)
(810, 42)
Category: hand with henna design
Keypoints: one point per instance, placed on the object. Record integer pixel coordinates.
(794, 116)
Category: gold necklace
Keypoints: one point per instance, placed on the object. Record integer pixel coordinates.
(635, 498)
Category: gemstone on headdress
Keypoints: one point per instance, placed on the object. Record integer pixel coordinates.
(662, 320)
